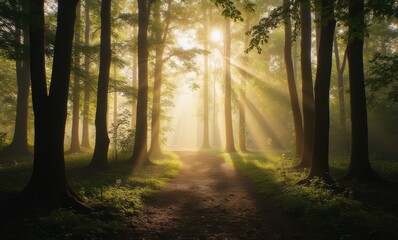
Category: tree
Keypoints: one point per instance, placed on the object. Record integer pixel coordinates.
(320, 153)
(100, 156)
(242, 94)
(307, 86)
(87, 92)
(140, 151)
(206, 141)
(359, 166)
(75, 142)
(340, 80)
(19, 30)
(48, 186)
(229, 138)
(298, 125)
(161, 33)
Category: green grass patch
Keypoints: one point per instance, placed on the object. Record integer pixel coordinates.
(358, 212)
(116, 195)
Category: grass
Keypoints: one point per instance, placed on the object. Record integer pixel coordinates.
(361, 211)
(116, 195)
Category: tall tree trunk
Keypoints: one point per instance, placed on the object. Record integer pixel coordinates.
(155, 150)
(115, 115)
(135, 83)
(140, 151)
(206, 141)
(298, 124)
(48, 187)
(242, 96)
(19, 144)
(359, 166)
(75, 142)
(230, 147)
(307, 85)
(100, 156)
(320, 155)
(87, 92)
(340, 80)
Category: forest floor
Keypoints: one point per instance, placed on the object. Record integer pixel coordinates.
(210, 200)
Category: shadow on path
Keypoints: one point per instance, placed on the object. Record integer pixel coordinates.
(210, 200)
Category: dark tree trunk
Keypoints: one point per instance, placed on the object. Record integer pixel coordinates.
(87, 92)
(340, 81)
(48, 187)
(298, 124)
(19, 144)
(140, 151)
(229, 137)
(242, 96)
(320, 155)
(100, 156)
(206, 141)
(307, 85)
(75, 142)
(359, 166)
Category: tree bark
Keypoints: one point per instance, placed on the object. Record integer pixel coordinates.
(229, 137)
(135, 83)
(140, 151)
(75, 142)
(100, 156)
(87, 92)
(48, 187)
(359, 166)
(307, 85)
(340, 81)
(155, 149)
(298, 124)
(320, 155)
(242, 96)
(206, 141)
(19, 144)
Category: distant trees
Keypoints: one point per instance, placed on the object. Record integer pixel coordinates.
(15, 26)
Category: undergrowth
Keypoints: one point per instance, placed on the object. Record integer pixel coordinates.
(115, 196)
(345, 213)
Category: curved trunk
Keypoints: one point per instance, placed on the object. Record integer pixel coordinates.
(294, 102)
(140, 151)
(229, 137)
(307, 85)
(100, 156)
(359, 166)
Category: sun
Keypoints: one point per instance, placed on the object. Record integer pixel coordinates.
(216, 35)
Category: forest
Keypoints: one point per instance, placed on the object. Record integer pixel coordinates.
(207, 119)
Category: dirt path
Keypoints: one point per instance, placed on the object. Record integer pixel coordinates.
(209, 200)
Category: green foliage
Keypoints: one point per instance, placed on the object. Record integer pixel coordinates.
(115, 195)
(383, 75)
(331, 212)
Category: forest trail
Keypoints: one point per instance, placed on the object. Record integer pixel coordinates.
(210, 200)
